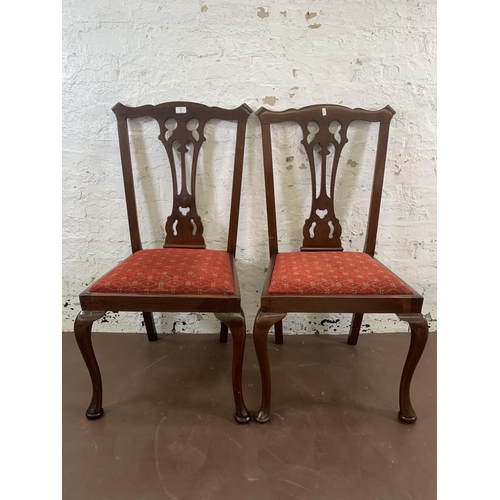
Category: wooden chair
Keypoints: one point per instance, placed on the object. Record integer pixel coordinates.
(183, 276)
(321, 278)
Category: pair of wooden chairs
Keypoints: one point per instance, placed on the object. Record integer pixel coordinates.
(184, 276)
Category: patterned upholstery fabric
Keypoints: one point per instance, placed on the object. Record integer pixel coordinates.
(170, 271)
(321, 273)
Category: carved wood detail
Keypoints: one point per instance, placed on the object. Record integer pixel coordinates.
(321, 139)
(183, 226)
(181, 127)
(322, 229)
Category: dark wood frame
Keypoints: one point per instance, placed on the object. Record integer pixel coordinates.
(187, 234)
(274, 307)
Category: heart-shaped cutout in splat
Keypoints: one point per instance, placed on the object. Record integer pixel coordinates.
(184, 211)
(321, 213)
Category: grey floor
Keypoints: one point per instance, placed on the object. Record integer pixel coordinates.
(168, 430)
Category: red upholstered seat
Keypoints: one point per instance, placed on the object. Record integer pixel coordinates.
(321, 273)
(170, 271)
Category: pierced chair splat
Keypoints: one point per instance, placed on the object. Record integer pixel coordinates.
(183, 276)
(321, 277)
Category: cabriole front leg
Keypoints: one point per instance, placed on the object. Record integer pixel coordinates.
(83, 330)
(263, 322)
(419, 333)
(237, 325)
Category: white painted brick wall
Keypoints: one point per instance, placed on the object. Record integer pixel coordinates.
(282, 54)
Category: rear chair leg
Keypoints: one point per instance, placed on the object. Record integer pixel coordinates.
(419, 333)
(262, 324)
(83, 330)
(357, 318)
(278, 332)
(236, 322)
(150, 326)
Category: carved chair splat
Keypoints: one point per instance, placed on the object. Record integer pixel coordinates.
(321, 277)
(183, 276)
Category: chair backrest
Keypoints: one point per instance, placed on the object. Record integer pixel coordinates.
(322, 230)
(183, 227)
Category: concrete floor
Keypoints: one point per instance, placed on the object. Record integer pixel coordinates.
(168, 428)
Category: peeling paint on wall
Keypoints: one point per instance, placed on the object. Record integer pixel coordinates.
(262, 13)
(271, 100)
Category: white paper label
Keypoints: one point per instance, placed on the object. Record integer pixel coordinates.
(180, 109)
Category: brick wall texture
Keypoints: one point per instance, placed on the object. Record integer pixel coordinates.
(279, 54)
